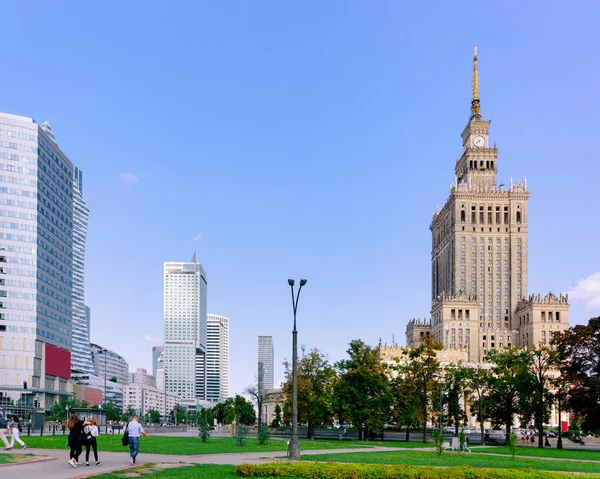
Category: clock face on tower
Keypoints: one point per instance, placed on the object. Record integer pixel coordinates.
(479, 141)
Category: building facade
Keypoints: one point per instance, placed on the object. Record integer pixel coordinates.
(81, 354)
(111, 370)
(160, 372)
(156, 352)
(36, 233)
(144, 398)
(217, 358)
(266, 363)
(479, 258)
(185, 316)
(141, 376)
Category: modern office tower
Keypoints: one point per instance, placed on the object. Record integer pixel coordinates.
(266, 362)
(160, 372)
(156, 352)
(217, 358)
(185, 302)
(36, 231)
(141, 376)
(480, 255)
(113, 371)
(81, 354)
(88, 315)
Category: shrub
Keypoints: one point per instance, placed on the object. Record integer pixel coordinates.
(203, 429)
(310, 470)
(263, 434)
(438, 438)
(512, 445)
(241, 434)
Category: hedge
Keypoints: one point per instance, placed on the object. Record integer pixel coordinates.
(311, 470)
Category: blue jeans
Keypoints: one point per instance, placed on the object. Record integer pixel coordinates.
(134, 447)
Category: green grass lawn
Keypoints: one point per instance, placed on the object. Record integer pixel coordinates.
(16, 458)
(454, 459)
(179, 445)
(196, 471)
(547, 452)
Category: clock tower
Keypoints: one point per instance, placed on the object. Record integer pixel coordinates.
(477, 165)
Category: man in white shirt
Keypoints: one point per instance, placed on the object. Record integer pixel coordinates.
(135, 430)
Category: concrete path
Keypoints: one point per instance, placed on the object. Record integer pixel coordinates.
(113, 461)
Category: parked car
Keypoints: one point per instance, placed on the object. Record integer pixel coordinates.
(451, 429)
(549, 433)
(467, 430)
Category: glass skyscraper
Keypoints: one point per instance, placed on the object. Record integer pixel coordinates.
(36, 232)
(217, 358)
(185, 302)
(266, 362)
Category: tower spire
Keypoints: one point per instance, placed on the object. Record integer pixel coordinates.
(475, 101)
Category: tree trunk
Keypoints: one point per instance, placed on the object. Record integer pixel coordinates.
(407, 433)
(310, 430)
(540, 414)
(360, 433)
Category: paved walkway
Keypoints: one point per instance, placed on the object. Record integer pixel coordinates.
(58, 468)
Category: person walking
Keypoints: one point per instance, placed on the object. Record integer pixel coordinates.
(4, 428)
(75, 426)
(15, 428)
(91, 432)
(135, 430)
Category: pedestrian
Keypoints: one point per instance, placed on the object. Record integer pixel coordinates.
(135, 430)
(75, 426)
(4, 427)
(91, 433)
(15, 428)
(546, 442)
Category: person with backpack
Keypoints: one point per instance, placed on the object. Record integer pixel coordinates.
(91, 433)
(4, 427)
(15, 428)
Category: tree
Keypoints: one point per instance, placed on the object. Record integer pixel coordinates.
(127, 415)
(59, 409)
(478, 380)
(178, 414)
(579, 351)
(406, 396)
(316, 379)
(456, 377)
(277, 419)
(244, 410)
(112, 411)
(362, 392)
(153, 416)
(257, 392)
(508, 385)
(421, 366)
(541, 362)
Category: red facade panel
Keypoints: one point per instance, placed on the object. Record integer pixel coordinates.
(93, 396)
(58, 362)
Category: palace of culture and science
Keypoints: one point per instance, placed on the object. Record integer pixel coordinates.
(479, 259)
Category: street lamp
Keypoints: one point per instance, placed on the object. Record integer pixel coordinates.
(294, 446)
(437, 376)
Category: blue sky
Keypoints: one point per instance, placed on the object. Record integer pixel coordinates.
(306, 138)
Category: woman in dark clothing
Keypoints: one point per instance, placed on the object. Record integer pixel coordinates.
(75, 426)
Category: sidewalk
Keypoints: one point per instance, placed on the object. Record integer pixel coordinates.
(112, 461)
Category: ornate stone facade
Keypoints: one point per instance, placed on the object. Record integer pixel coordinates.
(479, 257)
(416, 329)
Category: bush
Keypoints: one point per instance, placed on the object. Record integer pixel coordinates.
(263, 434)
(310, 470)
(241, 434)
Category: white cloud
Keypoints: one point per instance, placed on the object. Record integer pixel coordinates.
(152, 339)
(198, 237)
(128, 178)
(588, 291)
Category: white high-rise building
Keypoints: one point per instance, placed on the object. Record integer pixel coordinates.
(185, 303)
(112, 370)
(217, 358)
(160, 372)
(81, 354)
(156, 352)
(266, 362)
(36, 233)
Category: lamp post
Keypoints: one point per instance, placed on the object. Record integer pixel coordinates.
(294, 446)
(437, 376)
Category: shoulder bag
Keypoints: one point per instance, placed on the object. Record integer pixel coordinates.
(125, 438)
